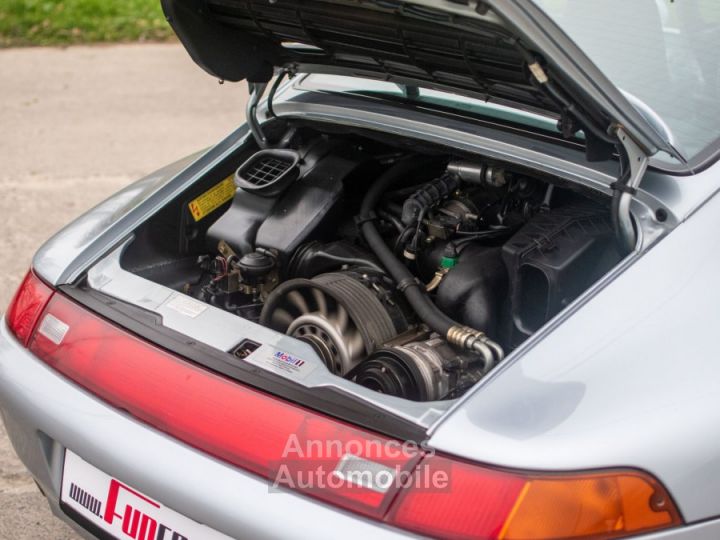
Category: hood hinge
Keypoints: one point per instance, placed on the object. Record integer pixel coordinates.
(257, 89)
(625, 188)
(599, 143)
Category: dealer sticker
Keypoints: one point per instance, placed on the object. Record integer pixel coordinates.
(186, 306)
(122, 511)
(281, 362)
(212, 199)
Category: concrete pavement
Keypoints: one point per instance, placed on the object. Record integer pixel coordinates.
(76, 125)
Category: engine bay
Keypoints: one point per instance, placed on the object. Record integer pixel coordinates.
(410, 270)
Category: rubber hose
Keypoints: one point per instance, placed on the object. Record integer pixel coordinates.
(349, 260)
(411, 288)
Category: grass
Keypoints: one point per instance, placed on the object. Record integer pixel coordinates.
(67, 22)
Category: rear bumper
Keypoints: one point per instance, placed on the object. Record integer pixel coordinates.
(44, 414)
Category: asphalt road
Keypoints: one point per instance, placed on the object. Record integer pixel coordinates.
(77, 124)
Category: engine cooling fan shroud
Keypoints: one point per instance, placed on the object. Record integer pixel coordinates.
(337, 314)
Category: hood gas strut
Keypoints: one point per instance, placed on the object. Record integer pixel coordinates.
(256, 93)
(257, 90)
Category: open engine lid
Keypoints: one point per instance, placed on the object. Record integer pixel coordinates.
(508, 51)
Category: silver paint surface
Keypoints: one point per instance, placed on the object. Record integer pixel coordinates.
(627, 376)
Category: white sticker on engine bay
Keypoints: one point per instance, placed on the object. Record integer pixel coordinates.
(186, 305)
(280, 362)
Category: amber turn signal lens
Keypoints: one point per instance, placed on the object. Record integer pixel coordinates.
(603, 505)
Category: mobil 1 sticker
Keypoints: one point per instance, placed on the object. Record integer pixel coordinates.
(281, 362)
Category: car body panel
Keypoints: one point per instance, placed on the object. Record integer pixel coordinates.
(230, 500)
(45, 413)
(631, 378)
(594, 388)
(75, 247)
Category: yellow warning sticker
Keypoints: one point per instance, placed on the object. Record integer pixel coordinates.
(212, 199)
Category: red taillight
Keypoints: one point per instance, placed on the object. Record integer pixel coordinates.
(475, 504)
(484, 503)
(317, 455)
(26, 306)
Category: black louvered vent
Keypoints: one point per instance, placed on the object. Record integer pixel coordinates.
(268, 172)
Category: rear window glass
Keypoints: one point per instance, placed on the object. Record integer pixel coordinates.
(661, 52)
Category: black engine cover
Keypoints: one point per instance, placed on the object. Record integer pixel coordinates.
(553, 259)
(473, 291)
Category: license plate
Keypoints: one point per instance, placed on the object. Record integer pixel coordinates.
(123, 511)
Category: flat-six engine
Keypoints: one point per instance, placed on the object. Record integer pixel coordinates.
(411, 274)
